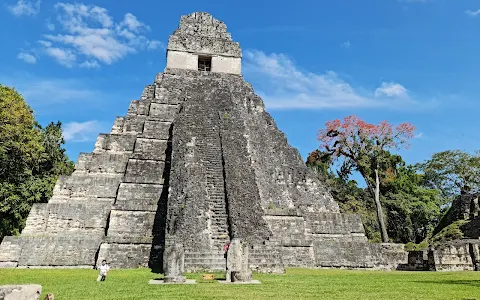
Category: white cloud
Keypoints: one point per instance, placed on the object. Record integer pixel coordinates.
(391, 89)
(27, 57)
(418, 135)
(50, 25)
(90, 64)
(65, 57)
(346, 44)
(25, 7)
(282, 86)
(473, 13)
(81, 131)
(152, 45)
(88, 33)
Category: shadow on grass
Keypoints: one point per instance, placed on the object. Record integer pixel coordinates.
(475, 283)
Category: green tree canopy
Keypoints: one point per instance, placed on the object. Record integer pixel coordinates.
(453, 172)
(31, 159)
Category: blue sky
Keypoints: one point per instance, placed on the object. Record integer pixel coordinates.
(311, 61)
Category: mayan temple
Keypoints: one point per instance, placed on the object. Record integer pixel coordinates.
(199, 161)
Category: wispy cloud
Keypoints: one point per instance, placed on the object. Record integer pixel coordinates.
(27, 57)
(65, 57)
(285, 86)
(82, 131)
(419, 135)
(391, 89)
(346, 44)
(87, 36)
(25, 7)
(473, 13)
(50, 25)
(90, 64)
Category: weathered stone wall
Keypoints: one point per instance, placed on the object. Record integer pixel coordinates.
(201, 33)
(455, 256)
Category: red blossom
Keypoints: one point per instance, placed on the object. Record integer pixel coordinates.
(354, 134)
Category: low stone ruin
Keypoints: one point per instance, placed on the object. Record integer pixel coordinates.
(457, 255)
(20, 292)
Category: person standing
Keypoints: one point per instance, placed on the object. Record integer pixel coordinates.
(104, 268)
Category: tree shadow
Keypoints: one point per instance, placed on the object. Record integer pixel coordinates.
(474, 283)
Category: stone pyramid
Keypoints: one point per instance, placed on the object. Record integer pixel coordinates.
(199, 161)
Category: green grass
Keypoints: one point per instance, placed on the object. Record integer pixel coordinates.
(68, 284)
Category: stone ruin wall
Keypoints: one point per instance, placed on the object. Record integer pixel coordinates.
(457, 255)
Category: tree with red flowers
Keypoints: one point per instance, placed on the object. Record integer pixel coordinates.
(364, 148)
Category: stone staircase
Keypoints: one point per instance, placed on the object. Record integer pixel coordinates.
(209, 150)
(216, 192)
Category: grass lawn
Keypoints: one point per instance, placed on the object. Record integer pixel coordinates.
(78, 284)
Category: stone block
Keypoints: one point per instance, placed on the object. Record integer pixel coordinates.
(333, 223)
(289, 230)
(148, 92)
(131, 223)
(89, 185)
(138, 107)
(155, 129)
(77, 215)
(37, 219)
(125, 255)
(151, 149)
(163, 112)
(60, 250)
(163, 95)
(10, 251)
(298, 257)
(106, 162)
(338, 251)
(144, 171)
(115, 142)
(117, 127)
(133, 125)
(20, 292)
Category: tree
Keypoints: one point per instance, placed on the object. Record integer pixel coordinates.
(31, 159)
(20, 139)
(364, 148)
(350, 197)
(412, 209)
(453, 172)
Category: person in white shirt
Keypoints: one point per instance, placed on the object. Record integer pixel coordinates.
(104, 268)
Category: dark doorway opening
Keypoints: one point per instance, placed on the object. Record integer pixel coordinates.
(204, 63)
